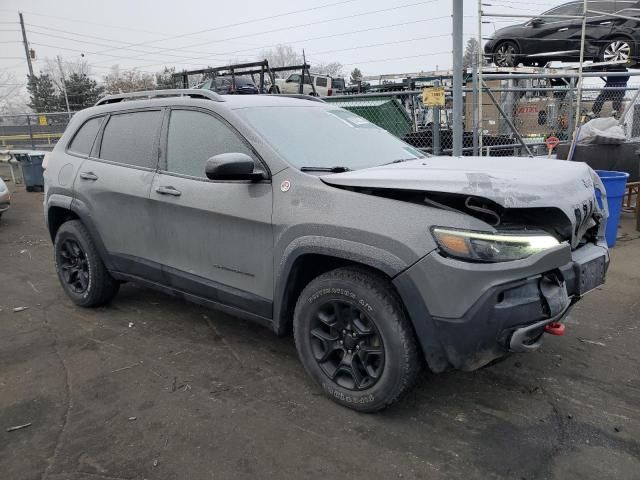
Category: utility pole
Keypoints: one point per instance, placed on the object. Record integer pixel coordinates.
(457, 77)
(26, 45)
(64, 85)
(478, 83)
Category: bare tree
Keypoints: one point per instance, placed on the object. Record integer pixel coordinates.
(333, 69)
(12, 95)
(281, 56)
(122, 81)
(69, 67)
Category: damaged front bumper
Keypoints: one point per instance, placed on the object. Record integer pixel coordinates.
(468, 314)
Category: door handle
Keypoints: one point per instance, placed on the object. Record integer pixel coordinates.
(88, 176)
(563, 29)
(605, 23)
(168, 191)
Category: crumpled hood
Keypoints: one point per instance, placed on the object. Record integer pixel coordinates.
(512, 182)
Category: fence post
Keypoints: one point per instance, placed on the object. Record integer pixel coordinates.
(33, 144)
(457, 77)
(435, 140)
(571, 115)
(475, 99)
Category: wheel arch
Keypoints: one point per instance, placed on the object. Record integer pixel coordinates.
(623, 35)
(308, 257)
(61, 209)
(504, 40)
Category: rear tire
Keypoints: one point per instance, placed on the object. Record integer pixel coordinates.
(354, 339)
(80, 269)
(618, 49)
(506, 54)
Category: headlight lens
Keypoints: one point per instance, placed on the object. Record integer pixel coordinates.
(3, 187)
(489, 247)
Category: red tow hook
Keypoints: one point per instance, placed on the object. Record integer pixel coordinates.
(555, 328)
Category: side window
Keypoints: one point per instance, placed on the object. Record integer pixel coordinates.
(321, 81)
(194, 137)
(569, 9)
(606, 7)
(294, 78)
(84, 138)
(131, 138)
(308, 80)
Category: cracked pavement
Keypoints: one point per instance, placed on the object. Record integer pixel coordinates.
(151, 387)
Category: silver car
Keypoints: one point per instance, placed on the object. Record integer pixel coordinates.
(305, 217)
(5, 197)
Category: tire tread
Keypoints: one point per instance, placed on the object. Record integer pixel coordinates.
(381, 288)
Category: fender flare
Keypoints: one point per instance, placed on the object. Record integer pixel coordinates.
(356, 252)
(84, 215)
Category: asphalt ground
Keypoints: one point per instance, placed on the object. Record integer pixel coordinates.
(153, 387)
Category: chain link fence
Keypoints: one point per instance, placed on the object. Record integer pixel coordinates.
(530, 110)
(32, 131)
(511, 117)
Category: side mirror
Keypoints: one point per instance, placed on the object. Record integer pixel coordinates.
(232, 166)
(536, 22)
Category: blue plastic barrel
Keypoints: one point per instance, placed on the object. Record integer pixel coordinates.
(614, 185)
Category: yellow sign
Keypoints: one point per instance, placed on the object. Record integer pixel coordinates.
(433, 96)
(42, 120)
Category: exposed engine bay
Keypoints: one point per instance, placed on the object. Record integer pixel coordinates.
(551, 220)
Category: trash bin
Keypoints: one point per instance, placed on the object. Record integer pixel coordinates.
(32, 172)
(614, 185)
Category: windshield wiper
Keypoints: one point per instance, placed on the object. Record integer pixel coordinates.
(325, 169)
(400, 160)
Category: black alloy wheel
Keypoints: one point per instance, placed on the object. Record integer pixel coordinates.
(346, 345)
(74, 266)
(355, 339)
(506, 55)
(79, 266)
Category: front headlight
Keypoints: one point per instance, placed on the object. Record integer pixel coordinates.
(3, 187)
(489, 247)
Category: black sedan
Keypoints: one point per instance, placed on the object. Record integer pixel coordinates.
(542, 40)
(226, 85)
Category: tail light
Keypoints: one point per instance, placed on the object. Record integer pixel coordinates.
(45, 161)
(329, 92)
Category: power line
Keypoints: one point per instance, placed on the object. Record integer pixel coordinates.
(299, 26)
(50, 35)
(310, 39)
(246, 22)
(382, 44)
(86, 22)
(397, 58)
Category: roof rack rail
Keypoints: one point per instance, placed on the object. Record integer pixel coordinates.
(178, 92)
(301, 96)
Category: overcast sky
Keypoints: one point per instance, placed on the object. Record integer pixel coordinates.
(378, 36)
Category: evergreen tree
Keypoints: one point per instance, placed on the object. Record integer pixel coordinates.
(43, 96)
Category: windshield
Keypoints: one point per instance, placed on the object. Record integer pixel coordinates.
(326, 137)
(242, 81)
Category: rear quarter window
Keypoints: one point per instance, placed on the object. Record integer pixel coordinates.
(130, 138)
(85, 136)
(321, 82)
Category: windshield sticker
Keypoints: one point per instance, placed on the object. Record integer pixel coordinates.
(351, 119)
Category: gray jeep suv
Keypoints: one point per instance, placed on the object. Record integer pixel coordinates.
(300, 215)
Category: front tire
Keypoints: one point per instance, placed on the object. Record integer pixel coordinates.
(506, 54)
(355, 340)
(80, 269)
